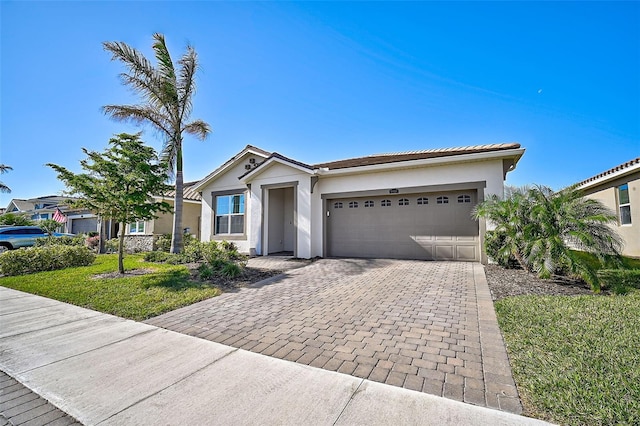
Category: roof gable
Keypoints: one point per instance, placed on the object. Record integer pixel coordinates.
(249, 149)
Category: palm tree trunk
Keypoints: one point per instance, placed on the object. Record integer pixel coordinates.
(176, 236)
(121, 249)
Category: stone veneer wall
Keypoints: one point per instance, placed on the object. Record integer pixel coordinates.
(138, 243)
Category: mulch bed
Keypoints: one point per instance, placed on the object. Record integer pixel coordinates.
(516, 282)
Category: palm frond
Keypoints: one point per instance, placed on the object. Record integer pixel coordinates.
(138, 114)
(198, 128)
(186, 84)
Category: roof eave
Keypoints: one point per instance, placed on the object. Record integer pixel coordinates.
(609, 177)
(514, 154)
(268, 163)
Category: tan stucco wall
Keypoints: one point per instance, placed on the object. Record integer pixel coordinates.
(190, 219)
(607, 194)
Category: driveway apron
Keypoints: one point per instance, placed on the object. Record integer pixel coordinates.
(425, 326)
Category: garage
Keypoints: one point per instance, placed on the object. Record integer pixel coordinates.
(84, 225)
(426, 226)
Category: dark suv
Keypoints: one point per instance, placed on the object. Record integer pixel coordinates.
(13, 237)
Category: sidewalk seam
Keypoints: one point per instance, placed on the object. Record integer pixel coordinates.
(349, 401)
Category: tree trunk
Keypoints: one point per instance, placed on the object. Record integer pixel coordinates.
(121, 249)
(103, 235)
(176, 236)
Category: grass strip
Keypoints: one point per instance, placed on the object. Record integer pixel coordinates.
(576, 360)
(138, 297)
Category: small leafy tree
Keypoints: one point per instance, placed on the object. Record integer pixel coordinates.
(118, 183)
(49, 226)
(15, 219)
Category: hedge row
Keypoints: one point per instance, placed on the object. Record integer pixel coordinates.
(47, 258)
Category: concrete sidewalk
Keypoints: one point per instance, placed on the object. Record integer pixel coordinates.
(105, 370)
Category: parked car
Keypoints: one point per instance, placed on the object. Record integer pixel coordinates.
(13, 237)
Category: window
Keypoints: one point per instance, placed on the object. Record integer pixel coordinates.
(464, 198)
(230, 214)
(423, 201)
(442, 200)
(385, 203)
(403, 202)
(369, 204)
(624, 205)
(337, 205)
(136, 227)
(353, 204)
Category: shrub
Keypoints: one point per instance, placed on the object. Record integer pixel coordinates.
(93, 242)
(619, 281)
(231, 270)
(111, 246)
(47, 258)
(494, 242)
(77, 240)
(156, 256)
(163, 243)
(206, 271)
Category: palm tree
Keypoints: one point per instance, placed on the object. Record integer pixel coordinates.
(542, 230)
(510, 218)
(565, 221)
(166, 93)
(4, 169)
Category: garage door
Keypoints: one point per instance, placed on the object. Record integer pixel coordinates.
(430, 226)
(84, 226)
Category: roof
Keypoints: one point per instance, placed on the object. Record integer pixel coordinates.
(613, 172)
(414, 155)
(22, 205)
(187, 192)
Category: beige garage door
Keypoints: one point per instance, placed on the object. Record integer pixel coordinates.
(431, 226)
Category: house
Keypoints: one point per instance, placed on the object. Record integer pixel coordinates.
(140, 236)
(407, 205)
(79, 221)
(619, 189)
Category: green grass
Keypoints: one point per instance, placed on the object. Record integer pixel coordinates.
(592, 260)
(133, 297)
(576, 360)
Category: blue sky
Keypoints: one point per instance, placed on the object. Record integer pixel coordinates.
(331, 80)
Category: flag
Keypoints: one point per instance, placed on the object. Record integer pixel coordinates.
(59, 217)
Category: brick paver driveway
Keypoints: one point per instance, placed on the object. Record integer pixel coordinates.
(426, 326)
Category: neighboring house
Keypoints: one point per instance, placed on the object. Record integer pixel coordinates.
(410, 205)
(79, 221)
(619, 189)
(140, 235)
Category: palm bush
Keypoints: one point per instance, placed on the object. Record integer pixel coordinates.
(541, 229)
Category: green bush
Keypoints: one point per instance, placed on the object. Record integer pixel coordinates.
(205, 271)
(494, 241)
(163, 243)
(111, 246)
(619, 281)
(156, 256)
(231, 270)
(77, 240)
(47, 258)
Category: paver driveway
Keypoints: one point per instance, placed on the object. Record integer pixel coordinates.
(426, 326)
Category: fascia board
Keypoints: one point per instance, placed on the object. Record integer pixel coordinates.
(464, 158)
(265, 166)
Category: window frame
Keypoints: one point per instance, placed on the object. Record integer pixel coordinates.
(622, 205)
(442, 199)
(137, 227)
(243, 208)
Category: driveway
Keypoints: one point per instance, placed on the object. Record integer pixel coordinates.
(425, 326)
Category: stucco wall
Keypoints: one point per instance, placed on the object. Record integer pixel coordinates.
(227, 181)
(190, 219)
(607, 194)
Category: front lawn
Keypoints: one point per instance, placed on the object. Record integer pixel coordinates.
(137, 297)
(576, 359)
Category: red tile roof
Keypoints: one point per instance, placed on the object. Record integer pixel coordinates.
(618, 168)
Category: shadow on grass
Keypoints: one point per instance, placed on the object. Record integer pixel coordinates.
(172, 280)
